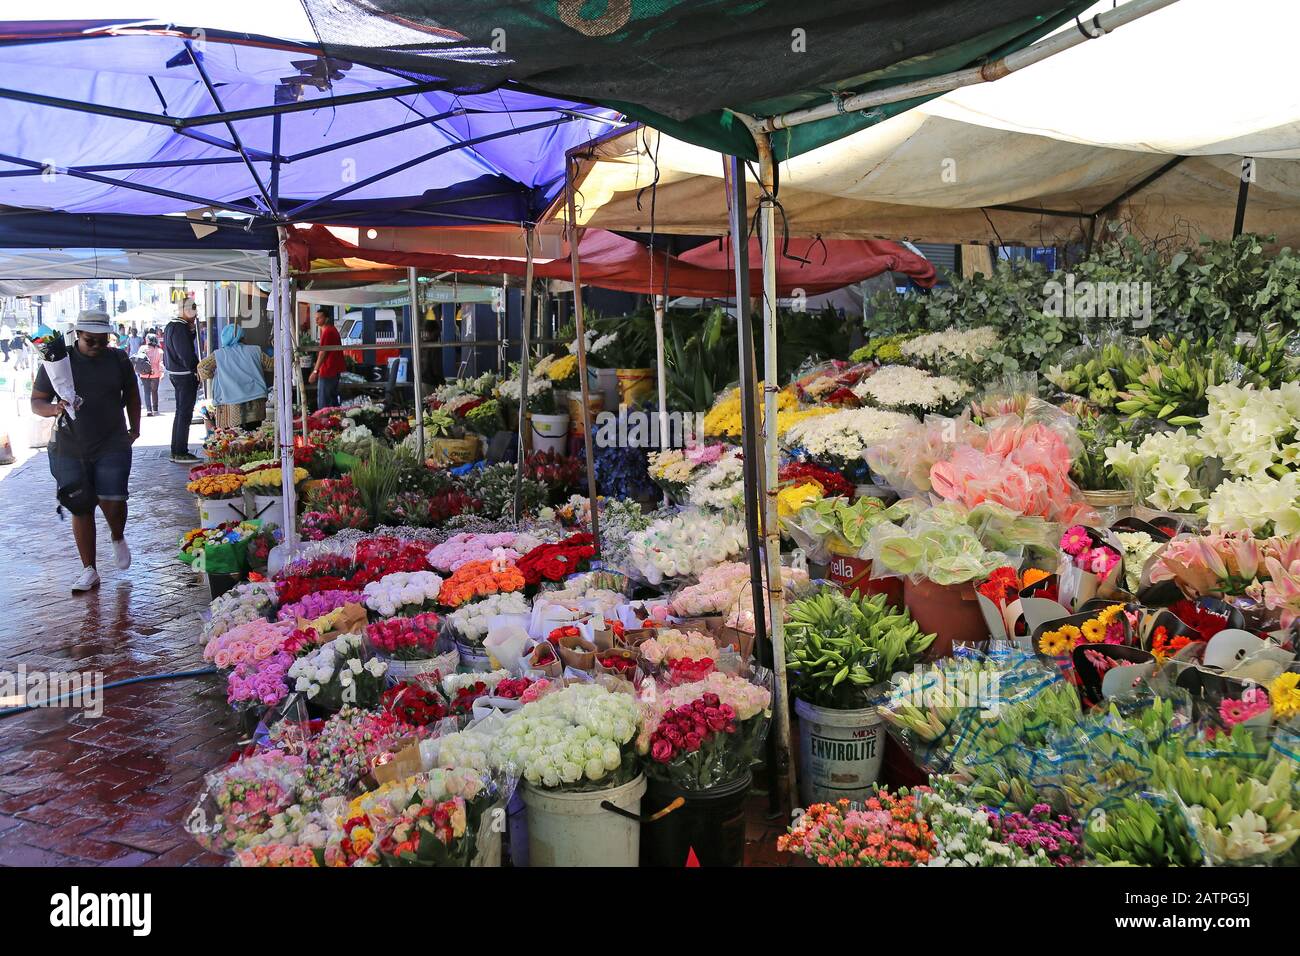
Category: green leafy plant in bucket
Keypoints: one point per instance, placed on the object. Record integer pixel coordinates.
(838, 648)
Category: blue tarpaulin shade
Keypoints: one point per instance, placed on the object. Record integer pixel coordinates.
(146, 121)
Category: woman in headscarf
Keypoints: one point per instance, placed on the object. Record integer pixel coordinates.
(238, 372)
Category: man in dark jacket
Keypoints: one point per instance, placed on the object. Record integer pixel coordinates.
(181, 361)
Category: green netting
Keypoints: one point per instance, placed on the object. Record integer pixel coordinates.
(680, 65)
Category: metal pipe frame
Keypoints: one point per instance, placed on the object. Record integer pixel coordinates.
(587, 430)
(417, 377)
(783, 771)
(525, 320)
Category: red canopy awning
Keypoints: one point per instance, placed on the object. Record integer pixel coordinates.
(610, 261)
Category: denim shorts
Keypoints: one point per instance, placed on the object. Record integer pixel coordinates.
(108, 474)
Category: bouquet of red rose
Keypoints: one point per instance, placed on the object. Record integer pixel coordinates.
(398, 554)
(405, 638)
(707, 741)
(554, 562)
(416, 704)
(560, 474)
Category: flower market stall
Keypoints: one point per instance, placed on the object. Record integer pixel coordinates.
(1022, 584)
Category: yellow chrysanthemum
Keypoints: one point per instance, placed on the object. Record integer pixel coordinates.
(790, 501)
(785, 420)
(563, 368)
(724, 418)
(1285, 694)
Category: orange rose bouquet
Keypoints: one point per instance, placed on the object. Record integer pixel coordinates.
(479, 579)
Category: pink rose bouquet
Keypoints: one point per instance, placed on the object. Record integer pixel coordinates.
(246, 644)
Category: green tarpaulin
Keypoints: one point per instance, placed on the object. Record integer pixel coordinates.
(682, 65)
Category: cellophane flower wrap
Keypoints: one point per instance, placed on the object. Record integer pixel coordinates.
(578, 738)
(246, 601)
(337, 673)
(436, 818)
(683, 545)
(705, 733)
(239, 800)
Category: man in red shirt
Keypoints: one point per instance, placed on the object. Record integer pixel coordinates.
(329, 365)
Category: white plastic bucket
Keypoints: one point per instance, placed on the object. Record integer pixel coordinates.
(839, 753)
(604, 381)
(216, 511)
(269, 508)
(550, 432)
(474, 658)
(573, 829)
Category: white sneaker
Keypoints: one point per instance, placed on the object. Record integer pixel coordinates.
(122, 553)
(87, 580)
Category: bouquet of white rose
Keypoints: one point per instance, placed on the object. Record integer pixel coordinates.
(405, 593)
(336, 674)
(683, 545)
(574, 739)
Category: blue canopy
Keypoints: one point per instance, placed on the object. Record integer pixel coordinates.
(147, 120)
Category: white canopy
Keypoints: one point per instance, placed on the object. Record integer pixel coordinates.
(1147, 125)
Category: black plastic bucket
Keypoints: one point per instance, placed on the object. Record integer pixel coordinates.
(219, 584)
(710, 822)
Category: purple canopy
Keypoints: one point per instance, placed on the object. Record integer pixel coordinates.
(101, 118)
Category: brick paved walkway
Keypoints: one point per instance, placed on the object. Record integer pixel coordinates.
(112, 790)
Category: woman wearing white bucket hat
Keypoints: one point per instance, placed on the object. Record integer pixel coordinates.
(90, 455)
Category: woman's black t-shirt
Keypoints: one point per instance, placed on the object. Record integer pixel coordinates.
(101, 383)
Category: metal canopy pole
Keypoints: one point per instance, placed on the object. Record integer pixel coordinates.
(739, 214)
(784, 769)
(417, 377)
(283, 391)
(587, 436)
(525, 321)
(1247, 174)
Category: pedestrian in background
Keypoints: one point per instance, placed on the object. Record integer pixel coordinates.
(148, 362)
(90, 455)
(181, 362)
(329, 365)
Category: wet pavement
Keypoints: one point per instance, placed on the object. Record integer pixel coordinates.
(76, 789)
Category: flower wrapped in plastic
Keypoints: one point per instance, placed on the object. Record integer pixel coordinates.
(240, 801)
(705, 733)
(436, 818)
(337, 673)
(578, 738)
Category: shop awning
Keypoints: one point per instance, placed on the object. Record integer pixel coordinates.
(1118, 128)
(609, 261)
